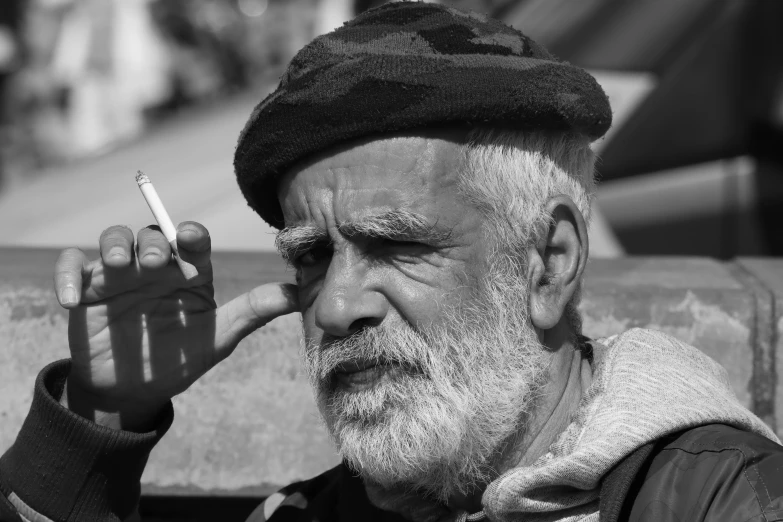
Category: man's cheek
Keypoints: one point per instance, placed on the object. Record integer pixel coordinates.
(311, 333)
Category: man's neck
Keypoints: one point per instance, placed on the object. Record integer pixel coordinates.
(563, 407)
(554, 411)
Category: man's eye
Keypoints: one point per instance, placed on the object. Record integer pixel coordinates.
(313, 256)
(407, 244)
(401, 250)
(401, 245)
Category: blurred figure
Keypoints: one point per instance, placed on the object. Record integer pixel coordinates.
(10, 50)
(111, 60)
(90, 69)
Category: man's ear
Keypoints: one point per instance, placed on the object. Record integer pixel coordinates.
(556, 262)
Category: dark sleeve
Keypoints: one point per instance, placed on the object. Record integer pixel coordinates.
(714, 473)
(64, 467)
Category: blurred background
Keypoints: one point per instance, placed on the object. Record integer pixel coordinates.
(93, 90)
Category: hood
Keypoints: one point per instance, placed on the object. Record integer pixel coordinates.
(646, 385)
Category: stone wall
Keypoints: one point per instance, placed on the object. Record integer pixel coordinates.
(250, 425)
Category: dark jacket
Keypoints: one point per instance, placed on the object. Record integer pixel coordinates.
(711, 473)
(63, 467)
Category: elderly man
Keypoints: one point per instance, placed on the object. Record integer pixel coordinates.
(431, 174)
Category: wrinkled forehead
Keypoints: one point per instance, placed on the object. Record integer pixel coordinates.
(374, 175)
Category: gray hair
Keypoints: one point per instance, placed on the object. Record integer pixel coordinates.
(510, 175)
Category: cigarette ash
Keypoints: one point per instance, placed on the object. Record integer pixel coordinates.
(141, 178)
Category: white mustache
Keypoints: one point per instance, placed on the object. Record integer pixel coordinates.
(374, 345)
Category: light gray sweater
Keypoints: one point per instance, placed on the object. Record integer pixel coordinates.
(645, 386)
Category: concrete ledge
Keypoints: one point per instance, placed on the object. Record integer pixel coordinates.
(696, 300)
(768, 273)
(250, 426)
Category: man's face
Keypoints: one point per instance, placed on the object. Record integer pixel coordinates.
(419, 349)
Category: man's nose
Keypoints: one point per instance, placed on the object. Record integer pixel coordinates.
(348, 300)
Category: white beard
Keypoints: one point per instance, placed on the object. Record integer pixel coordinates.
(455, 398)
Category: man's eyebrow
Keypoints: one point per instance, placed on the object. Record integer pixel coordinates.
(400, 225)
(295, 240)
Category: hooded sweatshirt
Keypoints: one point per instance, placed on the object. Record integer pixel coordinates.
(646, 385)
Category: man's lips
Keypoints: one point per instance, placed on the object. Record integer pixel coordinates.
(360, 375)
(356, 366)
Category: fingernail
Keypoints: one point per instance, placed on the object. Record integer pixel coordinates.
(68, 295)
(154, 252)
(189, 233)
(117, 252)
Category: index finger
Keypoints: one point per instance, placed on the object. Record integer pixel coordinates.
(69, 270)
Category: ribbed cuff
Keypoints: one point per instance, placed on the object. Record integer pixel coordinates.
(66, 467)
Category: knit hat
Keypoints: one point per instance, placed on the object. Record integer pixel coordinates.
(408, 65)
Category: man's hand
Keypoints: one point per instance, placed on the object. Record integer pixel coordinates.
(139, 333)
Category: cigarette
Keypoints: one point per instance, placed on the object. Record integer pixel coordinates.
(164, 222)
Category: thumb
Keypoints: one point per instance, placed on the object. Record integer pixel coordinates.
(248, 312)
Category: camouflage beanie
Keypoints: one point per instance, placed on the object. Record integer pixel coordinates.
(409, 65)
